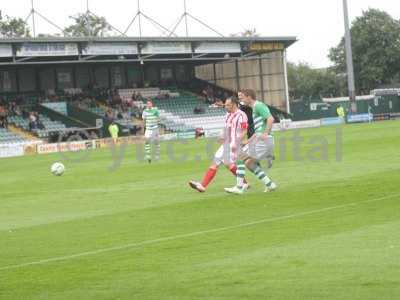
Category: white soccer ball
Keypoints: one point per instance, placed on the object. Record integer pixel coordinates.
(57, 169)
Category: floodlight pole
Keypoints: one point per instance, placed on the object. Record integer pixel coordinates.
(186, 19)
(32, 14)
(139, 19)
(88, 18)
(349, 59)
(284, 53)
(33, 19)
(139, 15)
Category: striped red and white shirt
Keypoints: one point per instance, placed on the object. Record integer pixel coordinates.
(235, 124)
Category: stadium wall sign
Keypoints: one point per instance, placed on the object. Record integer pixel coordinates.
(30, 149)
(66, 147)
(11, 150)
(48, 49)
(213, 133)
(169, 137)
(305, 124)
(218, 47)
(167, 48)
(5, 50)
(282, 125)
(296, 125)
(359, 118)
(186, 135)
(110, 49)
(278, 127)
(395, 116)
(332, 121)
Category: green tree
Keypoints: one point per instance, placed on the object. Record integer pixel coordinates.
(251, 32)
(376, 50)
(13, 27)
(305, 81)
(97, 26)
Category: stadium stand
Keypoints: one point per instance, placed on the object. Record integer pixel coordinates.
(127, 95)
(123, 118)
(8, 137)
(49, 125)
(188, 113)
(42, 130)
(179, 110)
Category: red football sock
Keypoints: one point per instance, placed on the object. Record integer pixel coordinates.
(233, 170)
(209, 176)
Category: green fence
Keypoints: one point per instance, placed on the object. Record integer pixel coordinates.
(308, 109)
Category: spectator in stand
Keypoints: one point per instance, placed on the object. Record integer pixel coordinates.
(3, 117)
(126, 115)
(32, 117)
(25, 114)
(39, 124)
(136, 111)
(109, 99)
(3, 122)
(119, 114)
(116, 99)
(219, 95)
(209, 94)
(32, 121)
(134, 96)
(93, 135)
(139, 97)
(17, 111)
(198, 110)
(12, 108)
(218, 104)
(109, 115)
(92, 102)
(204, 92)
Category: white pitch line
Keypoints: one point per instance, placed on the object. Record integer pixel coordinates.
(188, 235)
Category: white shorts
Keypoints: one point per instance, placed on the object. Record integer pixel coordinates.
(224, 155)
(259, 149)
(152, 135)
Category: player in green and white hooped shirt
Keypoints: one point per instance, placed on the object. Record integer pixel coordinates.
(151, 118)
(259, 146)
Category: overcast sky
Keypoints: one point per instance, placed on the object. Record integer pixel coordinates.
(318, 24)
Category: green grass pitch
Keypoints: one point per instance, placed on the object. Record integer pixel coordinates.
(331, 231)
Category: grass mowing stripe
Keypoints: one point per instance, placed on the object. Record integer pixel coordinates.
(188, 235)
